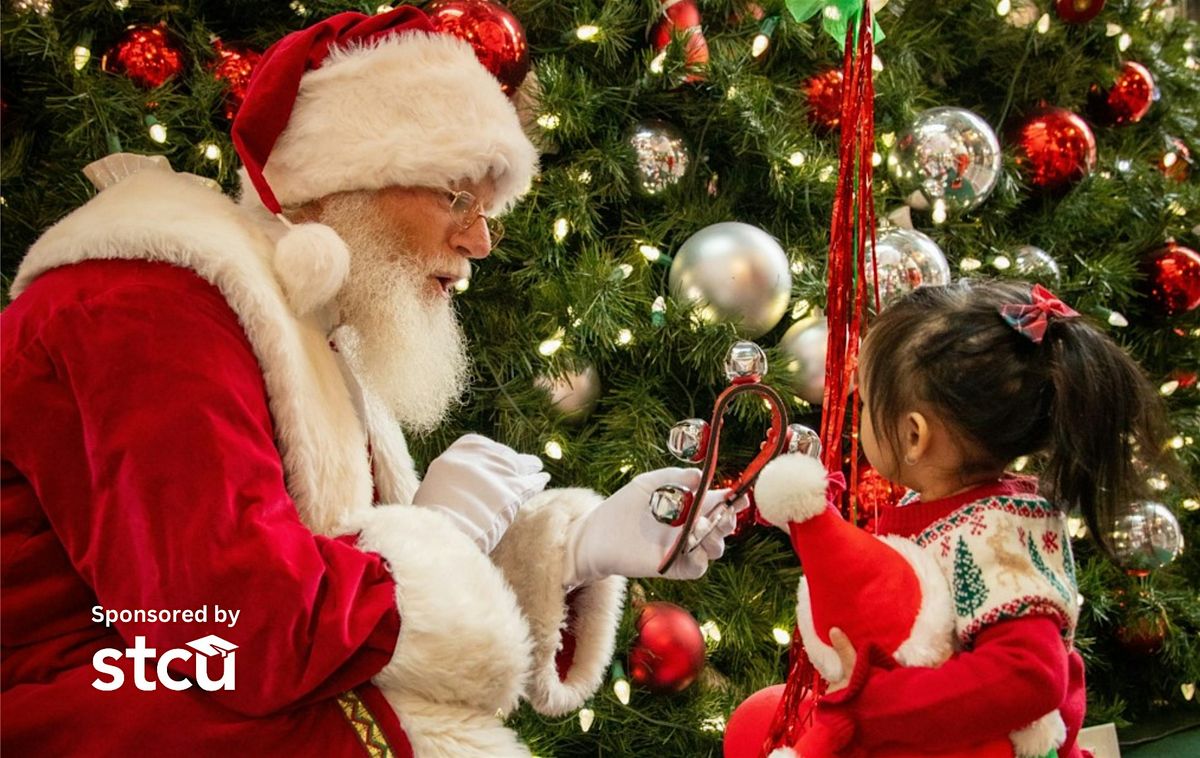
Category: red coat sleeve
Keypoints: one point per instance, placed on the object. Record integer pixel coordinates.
(149, 441)
(1015, 674)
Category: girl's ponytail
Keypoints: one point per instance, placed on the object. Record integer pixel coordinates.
(1107, 426)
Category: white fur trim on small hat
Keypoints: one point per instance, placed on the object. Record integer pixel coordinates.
(791, 488)
(409, 110)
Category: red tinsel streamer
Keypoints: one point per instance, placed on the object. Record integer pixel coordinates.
(853, 223)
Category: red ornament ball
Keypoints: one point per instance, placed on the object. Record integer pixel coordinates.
(668, 653)
(1176, 162)
(1055, 148)
(824, 93)
(1129, 98)
(749, 723)
(1173, 272)
(683, 19)
(1078, 11)
(146, 54)
(234, 65)
(494, 32)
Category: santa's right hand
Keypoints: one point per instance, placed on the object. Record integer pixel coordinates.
(480, 484)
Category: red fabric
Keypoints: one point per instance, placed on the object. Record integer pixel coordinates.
(856, 582)
(1016, 672)
(271, 93)
(912, 519)
(140, 472)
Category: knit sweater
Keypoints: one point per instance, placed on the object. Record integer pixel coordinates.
(1006, 555)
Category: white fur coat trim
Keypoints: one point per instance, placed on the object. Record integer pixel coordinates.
(159, 215)
(461, 658)
(412, 110)
(531, 556)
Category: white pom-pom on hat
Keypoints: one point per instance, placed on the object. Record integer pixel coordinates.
(312, 263)
(791, 488)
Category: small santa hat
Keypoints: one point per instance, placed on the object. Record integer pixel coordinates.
(879, 591)
(359, 102)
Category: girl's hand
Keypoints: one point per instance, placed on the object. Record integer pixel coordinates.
(845, 652)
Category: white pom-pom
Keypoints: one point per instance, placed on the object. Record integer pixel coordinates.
(312, 263)
(791, 488)
(782, 752)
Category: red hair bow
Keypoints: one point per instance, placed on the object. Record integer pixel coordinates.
(1032, 320)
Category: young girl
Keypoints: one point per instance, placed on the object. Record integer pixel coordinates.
(958, 382)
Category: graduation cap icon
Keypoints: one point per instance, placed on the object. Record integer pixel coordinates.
(212, 645)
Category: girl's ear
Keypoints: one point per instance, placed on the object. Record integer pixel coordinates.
(914, 431)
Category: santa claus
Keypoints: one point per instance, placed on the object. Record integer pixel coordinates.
(203, 404)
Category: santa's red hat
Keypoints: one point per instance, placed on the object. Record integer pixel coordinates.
(360, 102)
(881, 591)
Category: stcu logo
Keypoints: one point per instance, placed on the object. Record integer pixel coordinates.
(206, 647)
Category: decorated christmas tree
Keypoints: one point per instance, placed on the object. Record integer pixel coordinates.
(690, 158)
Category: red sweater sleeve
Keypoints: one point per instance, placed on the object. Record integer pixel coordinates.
(1015, 674)
(149, 441)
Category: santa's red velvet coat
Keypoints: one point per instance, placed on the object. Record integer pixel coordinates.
(174, 437)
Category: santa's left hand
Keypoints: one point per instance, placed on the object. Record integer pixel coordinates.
(621, 537)
(846, 654)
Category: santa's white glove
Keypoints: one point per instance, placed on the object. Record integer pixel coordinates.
(621, 537)
(480, 484)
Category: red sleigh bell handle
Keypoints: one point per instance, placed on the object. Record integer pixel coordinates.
(697, 441)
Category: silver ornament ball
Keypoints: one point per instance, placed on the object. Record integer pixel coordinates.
(661, 155)
(1146, 537)
(1036, 265)
(734, 273)
(949, 156)
(573, 394)
(805, 345)
(907, 259)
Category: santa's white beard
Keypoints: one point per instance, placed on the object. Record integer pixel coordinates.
(404, 345)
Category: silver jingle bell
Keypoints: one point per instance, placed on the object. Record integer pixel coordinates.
(688, 440)
(803, 440)
(745, 360)
(668, 503)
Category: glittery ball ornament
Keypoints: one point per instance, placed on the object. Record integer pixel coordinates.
(1173, 276)
(146, 54)
(1127, 100)
(1054, 148)
(494, 32)
(233, 65)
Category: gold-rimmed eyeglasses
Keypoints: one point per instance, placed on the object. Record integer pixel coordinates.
(466, 209)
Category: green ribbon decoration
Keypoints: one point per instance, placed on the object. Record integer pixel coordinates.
(836, 16)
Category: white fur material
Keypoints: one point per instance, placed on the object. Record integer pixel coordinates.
(931, 640)
(159, 215)
(782, 752)
(439, 730)
(452, 647)
(311, 262)
(413, 110)
(824, 658)
(790, 488)
(531, 555)
(1037, 739)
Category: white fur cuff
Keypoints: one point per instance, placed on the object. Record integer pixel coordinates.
(462, 638)
(531, 555)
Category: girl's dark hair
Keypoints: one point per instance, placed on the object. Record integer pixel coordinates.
(1076, 397)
